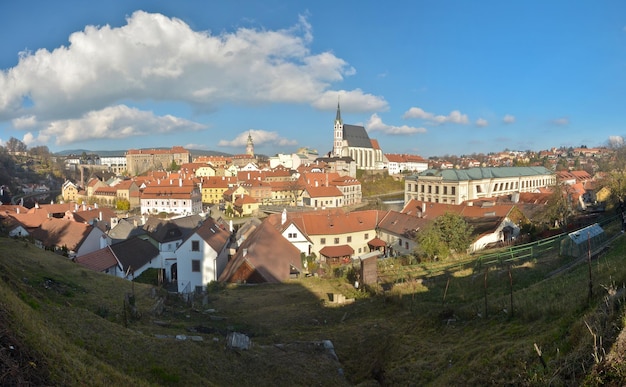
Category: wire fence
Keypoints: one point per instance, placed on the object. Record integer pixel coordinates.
(514, 255)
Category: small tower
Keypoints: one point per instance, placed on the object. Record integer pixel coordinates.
(338, 141)
(250, 146)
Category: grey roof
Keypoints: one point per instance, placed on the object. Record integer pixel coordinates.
(134, 253)
(484, 173)
(163, 230)
(124, 230)
(356, 136)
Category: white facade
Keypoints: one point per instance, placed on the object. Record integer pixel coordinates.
(457, 186)
(171, 200)
(198, 264)
(298, 239)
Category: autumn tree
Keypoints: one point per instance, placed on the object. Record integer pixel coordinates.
(14, 145)
(448, 233)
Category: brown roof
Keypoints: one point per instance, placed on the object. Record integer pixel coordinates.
(402, 224)
(337, 251)
(62, 233)
(213, 234)
(265, 256)
(99, 260)
(377, 242)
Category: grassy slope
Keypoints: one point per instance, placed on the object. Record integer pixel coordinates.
(74, 320)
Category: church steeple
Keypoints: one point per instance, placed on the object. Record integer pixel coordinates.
(338, 138)
(250, 145)
(338, 117)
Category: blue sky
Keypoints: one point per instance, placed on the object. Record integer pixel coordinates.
(424, 77)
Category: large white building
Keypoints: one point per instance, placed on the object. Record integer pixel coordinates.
(353, 141)
(456, 186)
(172, 199)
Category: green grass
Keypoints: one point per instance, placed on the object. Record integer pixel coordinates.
(75, 322)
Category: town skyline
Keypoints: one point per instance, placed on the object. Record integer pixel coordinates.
(424, 79)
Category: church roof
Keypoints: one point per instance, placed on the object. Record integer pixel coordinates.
(356, 136)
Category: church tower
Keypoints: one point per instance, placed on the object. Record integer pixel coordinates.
(250, 146)
(338, 142)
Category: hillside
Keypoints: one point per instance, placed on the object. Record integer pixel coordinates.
(64, 325)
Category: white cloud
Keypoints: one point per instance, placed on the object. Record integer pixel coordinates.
(508, 119)
(481, 122)
(259, 137)
(354, 101)
(24, 122)
(455, 116)
(115, 122)
(561, 121)
(375, 123)
(157, 58)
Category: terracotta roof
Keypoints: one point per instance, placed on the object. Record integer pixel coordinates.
(87, 216)
(323, 192)
(99, 260)
(334, 222)
(62, 233)
(169, 191)
(377, 242)
(336, 251)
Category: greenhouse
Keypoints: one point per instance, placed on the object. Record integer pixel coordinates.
(583, 242)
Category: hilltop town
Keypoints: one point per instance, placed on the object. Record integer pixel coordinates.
(230, 209)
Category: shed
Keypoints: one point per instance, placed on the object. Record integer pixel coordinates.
(584, 241)
(369, 267)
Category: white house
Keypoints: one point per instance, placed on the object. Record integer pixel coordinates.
(180, 199)
(202, 257)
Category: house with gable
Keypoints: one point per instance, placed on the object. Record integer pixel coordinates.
(263, 257)
(337, 235)
(72, 238)
(202, 257)
(399, 231)
(322, 196)
(70, 191)
(127, 259)
(167, 236)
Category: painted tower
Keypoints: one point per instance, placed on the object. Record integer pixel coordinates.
(338, 142)
(250, 146)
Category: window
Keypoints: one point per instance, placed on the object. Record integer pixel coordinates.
(445, 190)
(453, 190)
(195, 245)
(195, 265)
(323, 241)
(349, 239)
(336, 241)
(366, 236)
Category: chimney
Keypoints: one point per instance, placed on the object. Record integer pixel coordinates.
(423, 208)
(245, 252)
(103, 242)
(100, 216)
(180, 182)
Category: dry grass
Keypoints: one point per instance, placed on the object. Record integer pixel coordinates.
(77, 331)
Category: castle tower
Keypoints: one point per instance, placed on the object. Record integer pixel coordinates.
(250, 146)
(338, 141)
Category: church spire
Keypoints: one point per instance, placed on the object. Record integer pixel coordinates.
(338, 117)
